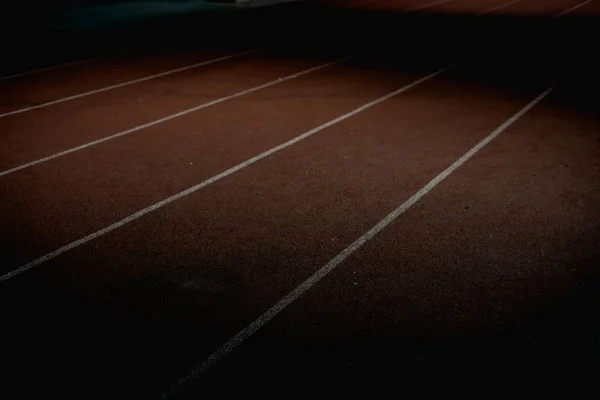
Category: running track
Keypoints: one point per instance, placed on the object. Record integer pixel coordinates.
(365, 195)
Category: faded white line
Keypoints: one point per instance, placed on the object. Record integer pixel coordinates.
(35, 71)
(65, 65)
(572, 9)
(498, 7)
(132, 82)
(427, 6)
(244, 334)
(209, 181)
(367, 2)
(168, 118)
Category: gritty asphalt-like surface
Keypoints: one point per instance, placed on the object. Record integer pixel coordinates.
(494, 270)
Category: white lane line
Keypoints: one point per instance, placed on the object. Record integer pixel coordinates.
(209, 181)
(572, 9)
(35, 71)
(122, 84)
(426, 6)
(169, 117)
(498, 7)
(69, 64)
(367, 2)
(244, 334)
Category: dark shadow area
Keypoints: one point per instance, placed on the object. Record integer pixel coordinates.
(563, 49)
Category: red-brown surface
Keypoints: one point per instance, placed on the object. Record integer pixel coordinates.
(495, 269)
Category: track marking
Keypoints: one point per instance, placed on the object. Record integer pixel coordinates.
(69, 64)
(169, 117)
(367, 2)
(122, 84)
(572, 9)
(244, 334)
(35, 71)
(214, 179)
(426, 6)
(498, 7)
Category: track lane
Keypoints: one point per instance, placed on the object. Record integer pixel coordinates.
(452, 6)
(545, 9)
(36, 105)
(48, 68)
(171, 157)
(495, 270)
(54, 85)
(222, 255)
(103, 320)
(71, 124)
